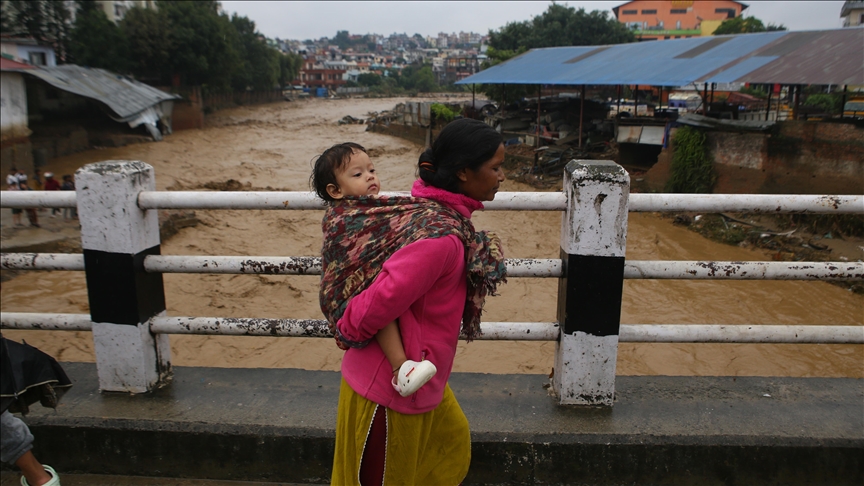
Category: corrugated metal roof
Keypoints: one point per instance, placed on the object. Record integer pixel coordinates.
(124, 96)
(810, 57)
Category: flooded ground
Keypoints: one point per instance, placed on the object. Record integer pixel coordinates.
(272, 146)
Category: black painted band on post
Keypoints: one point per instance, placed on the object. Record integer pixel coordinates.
(590, 294)
(119, 290)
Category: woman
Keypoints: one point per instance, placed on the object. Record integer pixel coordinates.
(436, 272)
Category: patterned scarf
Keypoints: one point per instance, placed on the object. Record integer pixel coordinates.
(361, 233)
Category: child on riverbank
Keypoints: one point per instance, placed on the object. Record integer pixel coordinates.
(342, 175)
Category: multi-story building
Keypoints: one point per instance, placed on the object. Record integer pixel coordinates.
(458, 67)
(852, 14)
(676, 19)
(115, 10)
(327, 74)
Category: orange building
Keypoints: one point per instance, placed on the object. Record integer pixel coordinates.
(674, 19)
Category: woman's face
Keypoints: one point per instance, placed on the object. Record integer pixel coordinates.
(483, 183)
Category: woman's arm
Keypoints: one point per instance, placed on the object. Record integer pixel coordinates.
(405, 277)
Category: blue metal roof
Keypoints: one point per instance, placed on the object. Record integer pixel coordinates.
(813, 57)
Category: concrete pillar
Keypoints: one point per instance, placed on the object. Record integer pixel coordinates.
(116, 236)
(593, 236)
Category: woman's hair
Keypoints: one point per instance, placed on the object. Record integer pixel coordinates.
(463, 143)
(326, 165)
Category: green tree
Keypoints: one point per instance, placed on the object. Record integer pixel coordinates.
(47, 21)
(423, 80)
(97, 42)
(289, 68)
(561, 25)
(691, 170)
(342, 39)
(151, 45)
(744, 25)
(203, 43)
(369, 79)
(259, 63)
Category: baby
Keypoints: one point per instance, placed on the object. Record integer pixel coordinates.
(345, 170)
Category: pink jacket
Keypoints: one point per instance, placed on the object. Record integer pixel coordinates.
(423, 285)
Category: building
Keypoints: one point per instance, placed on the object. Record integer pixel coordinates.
(115, 10)
(328, 74)
(675, 19)
(27, 50)
(852, 14)
(459, 67)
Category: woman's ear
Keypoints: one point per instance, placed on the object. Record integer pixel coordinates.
(334, 191)
(462, 174)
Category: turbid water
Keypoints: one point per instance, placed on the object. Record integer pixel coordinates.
(271, 146)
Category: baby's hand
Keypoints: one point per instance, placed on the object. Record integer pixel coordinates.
(339, 342)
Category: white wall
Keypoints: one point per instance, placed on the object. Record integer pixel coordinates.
(13, 105)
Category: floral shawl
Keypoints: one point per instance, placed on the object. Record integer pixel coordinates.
(361, 233)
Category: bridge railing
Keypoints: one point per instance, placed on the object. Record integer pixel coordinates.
(124, 268)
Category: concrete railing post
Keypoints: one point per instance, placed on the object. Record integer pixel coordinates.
(593, 236)
(116, 235)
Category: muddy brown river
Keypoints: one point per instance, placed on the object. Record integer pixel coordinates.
(271, 146)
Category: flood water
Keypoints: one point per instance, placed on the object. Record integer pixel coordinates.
(271, 146)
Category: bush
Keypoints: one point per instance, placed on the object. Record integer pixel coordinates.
(692, 170)
(828, 102)
(442, 112)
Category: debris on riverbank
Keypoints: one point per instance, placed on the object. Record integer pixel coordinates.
(784, 237)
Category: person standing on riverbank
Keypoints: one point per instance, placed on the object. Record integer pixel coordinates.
(12, 185)
(51, 184)
(31, 212)
(436, 276)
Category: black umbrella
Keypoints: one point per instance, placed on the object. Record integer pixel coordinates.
(29, 376)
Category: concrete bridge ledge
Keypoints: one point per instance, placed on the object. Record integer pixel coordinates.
(278, 425)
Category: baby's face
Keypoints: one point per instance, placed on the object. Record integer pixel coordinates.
(357, 178)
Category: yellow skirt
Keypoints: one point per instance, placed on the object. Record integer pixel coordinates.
(432, 448)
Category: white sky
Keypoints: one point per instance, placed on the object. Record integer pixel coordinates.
(316, 19)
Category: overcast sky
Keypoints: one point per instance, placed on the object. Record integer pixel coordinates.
(313, 20)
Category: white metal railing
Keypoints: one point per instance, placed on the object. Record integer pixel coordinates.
(525, 267)
(504, 201)
(130, 200)
(522, 331)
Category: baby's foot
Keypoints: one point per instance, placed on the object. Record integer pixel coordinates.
(412, 375)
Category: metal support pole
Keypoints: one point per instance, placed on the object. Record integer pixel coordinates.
(116, 236)
(843, 103)
(581, 113)
(618, 110)
(593, 236)
(779, 97)
(636, 102)
(796, 102)
(768, 108)
(705, 98)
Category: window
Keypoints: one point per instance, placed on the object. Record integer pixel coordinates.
(679, 11)
(730, 12)
(652, 11)
(629, 12)
(37, 58)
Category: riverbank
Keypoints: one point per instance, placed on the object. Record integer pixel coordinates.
(270, 147)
